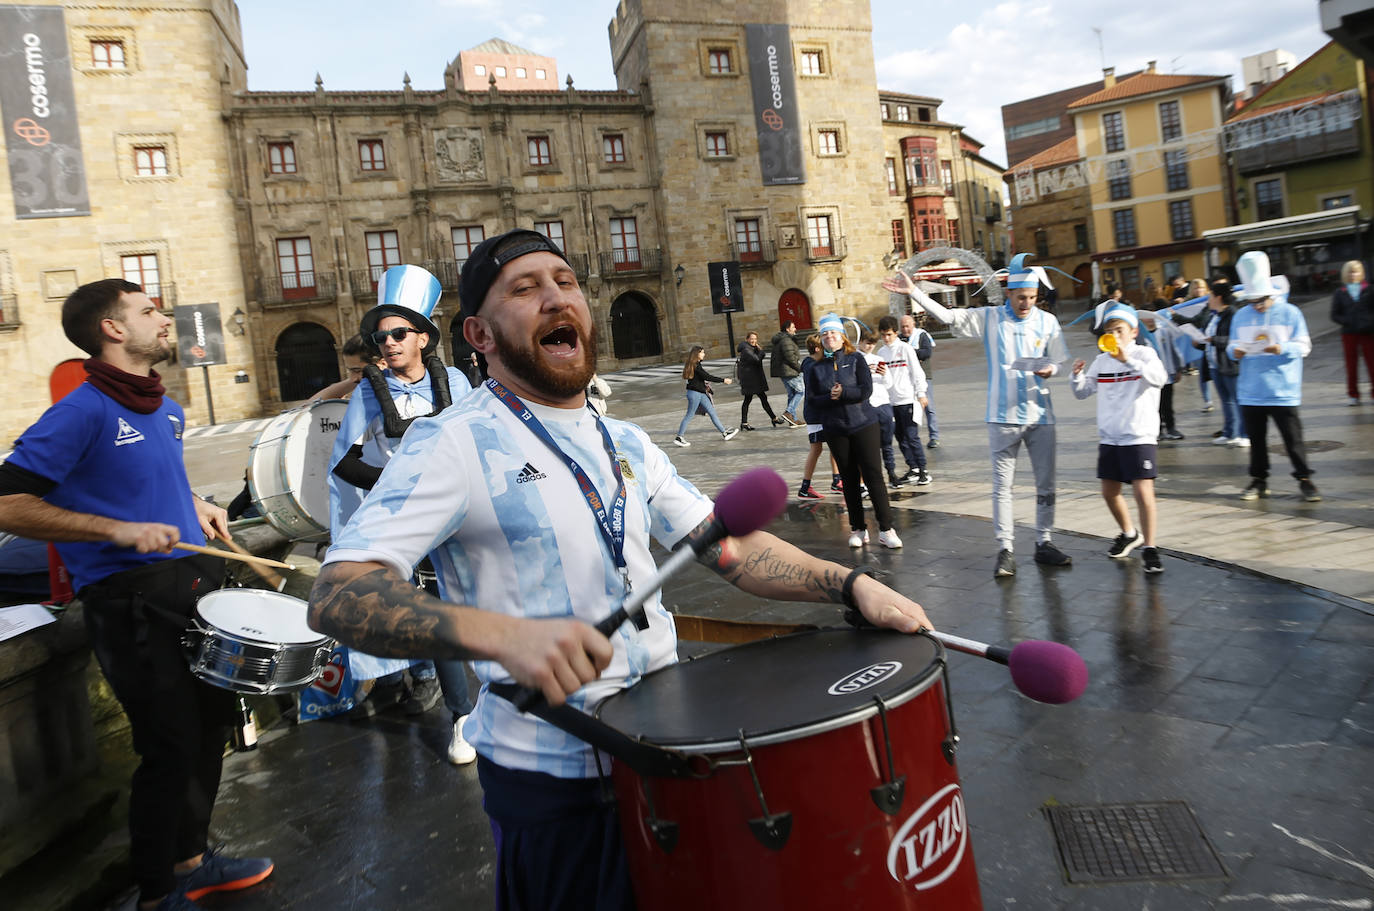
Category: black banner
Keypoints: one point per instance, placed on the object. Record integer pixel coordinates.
(42, 141)
(726, 294)
(200, 336)
(776, 117)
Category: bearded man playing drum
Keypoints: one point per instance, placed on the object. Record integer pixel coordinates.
(538, 514)
(101, 474)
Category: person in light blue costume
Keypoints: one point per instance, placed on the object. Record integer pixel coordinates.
(1019, 408)
(414, 383)
(1269, 338)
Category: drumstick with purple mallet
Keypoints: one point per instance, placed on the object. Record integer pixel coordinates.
(1045, 671)
(743, 506)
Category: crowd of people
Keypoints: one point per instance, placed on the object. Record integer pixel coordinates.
(541, 519)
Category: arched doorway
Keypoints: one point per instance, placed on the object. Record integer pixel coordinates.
(1084, 274)
(634, 326)
(307, 361)
(794, 306)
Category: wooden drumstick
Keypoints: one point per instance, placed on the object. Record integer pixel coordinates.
(273, 579)
(237, 554)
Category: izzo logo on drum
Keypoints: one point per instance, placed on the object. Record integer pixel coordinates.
(863, 679)
(929, 845)
(329, 426)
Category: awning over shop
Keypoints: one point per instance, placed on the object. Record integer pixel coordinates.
(1331, 223)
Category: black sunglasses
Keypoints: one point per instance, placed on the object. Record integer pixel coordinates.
(397, 335)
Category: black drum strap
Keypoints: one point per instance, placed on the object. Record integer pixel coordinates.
(644, 758)
(393, 424)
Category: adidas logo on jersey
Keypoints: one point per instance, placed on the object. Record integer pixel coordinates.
(529, 473)
(127, 434)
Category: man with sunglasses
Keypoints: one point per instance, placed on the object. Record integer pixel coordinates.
(412, 383)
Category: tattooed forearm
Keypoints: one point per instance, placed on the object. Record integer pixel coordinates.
(371, 608)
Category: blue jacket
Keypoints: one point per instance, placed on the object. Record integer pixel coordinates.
(1271, 379)
(852, 410)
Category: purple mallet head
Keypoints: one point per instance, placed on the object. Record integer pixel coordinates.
(1048, 671)
(751, 501)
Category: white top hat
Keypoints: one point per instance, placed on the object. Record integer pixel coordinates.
(1256, 282)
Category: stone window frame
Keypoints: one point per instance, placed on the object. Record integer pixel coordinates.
(762, 214)
(841, 138)
(602, 133)
(555, 159)
(821, 48)
(125, 143)
(355, 164)
(731, 45)
(112, 254)
(265, 143)
(358, 143)
(82, 36)
(731, 131)
(836, 229)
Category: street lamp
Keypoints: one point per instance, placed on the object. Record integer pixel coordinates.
(679, 272)
(238, 319)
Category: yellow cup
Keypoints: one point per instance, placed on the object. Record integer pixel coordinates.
(1106, 343)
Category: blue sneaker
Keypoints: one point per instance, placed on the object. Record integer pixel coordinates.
(218, 873)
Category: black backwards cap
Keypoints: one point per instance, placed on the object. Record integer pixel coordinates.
(490, 257)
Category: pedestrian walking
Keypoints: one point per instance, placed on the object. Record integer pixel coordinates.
(1352, 308)
(785, 363)
(699, 381)
(753, 383)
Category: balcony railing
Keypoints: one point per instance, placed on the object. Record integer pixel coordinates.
(825, 253)
(162, 294)
(759, 253)
(9, 311)
(363, 282)
(581, 264)
(621, 262)
(994, 212)
(446, 270)
(295, 289)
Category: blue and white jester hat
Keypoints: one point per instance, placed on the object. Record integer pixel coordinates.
(1019, 275)
(410, 293)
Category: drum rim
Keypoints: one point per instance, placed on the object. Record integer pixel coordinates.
(217, 630)
(919, 684)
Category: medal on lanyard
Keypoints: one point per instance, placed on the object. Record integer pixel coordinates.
(612, 526)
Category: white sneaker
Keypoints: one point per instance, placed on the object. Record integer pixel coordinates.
(858, 538)
(1221, 441)
(730, 434)
(889, 538)
(1241, 443)
(460, 752)
(679, 441)
(1206, 408)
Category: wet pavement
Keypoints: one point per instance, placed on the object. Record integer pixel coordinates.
(1240, 682)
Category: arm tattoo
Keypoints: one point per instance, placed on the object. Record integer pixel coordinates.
(378, 612)
(771, 569)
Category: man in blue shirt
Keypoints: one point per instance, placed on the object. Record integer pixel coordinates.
(1269, 338)
(101, 474)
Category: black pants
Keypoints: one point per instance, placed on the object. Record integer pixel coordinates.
(1166, 407)
(861, 453)
(1256, 418)
(179, 724)
(763, 400)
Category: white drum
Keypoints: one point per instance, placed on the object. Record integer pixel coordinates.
(253, 641)
(288, 469)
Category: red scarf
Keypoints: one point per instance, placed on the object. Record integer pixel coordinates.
(142, 394)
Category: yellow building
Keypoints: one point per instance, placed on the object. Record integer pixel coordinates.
(1152, 160)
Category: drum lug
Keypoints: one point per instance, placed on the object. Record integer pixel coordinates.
(771, 829)
(888, 797)
(664, 831)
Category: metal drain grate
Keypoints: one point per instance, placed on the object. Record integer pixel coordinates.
(1132, 842)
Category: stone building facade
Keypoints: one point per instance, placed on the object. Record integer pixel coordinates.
(1053, 208)
(149, 85)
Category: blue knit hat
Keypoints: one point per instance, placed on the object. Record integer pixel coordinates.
(830, 322)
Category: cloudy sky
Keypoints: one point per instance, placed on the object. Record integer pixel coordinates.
(987, 55)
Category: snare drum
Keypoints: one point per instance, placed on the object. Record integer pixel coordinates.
(288, 469)
(825, 778)
(252, 641)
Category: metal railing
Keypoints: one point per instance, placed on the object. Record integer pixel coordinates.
(761, 253)
(363, 282)
(620, 262)
(9, 311)
(836, 250)
(163, 294)
(295, 289)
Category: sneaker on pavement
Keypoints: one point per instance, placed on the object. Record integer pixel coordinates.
(1150, 557)
(729, 434)
(791, 421)
(1221, 441)
(1124, 544)
(1257, 489)
(889, 538)
(923, 478)
(1309, 491)
(424, 695)
(746, 427)
(1171, 435)
(1353, 402)
(933, 444)
(218, 873)
(895, 482)
(679, 441)
(807, 492)
(1049, 555)
(1006, 565)
(1206, 408)
(1240, 443)
(858, 538)
(1219, 433)
(836, 484)
(460, 752)
(911, 475)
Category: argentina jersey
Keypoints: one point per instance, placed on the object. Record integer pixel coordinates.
(1014, 396)
(509, 530)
